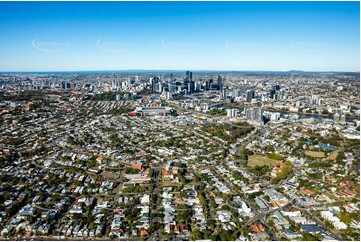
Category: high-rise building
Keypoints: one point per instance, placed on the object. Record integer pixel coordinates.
(232, 113)
(254, 114)
(63, 85)
(272, 94)
(170, 86)
(189, 76)
(237, 92)
(198, 86)
(220, 83)
(223, 94)
(277, 87)
(191, 86)
(188, 82)
(168, 95)
(315, 100)
(67, 85)
(155, 84)
(272, 116)
(250, 95)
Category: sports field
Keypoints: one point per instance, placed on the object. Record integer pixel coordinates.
(259, 160)
(315, 154)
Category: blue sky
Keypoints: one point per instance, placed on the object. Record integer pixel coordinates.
(74, 36)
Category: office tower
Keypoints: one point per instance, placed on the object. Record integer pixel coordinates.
(136, 78)
(237, 92)
(223, 94)
(116, 83)
(250, 95)
(198, 86)
(191, 87)
(170, 86)
(189, 83)
(168, 95)
(220, 84)
(189, 76)
(155, 82)
(162, 87)
(272, 94)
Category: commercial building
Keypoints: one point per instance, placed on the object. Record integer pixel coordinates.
(152, 111)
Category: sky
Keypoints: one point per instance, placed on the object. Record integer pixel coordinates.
(240, 36)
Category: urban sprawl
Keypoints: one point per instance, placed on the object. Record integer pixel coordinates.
(180, 156)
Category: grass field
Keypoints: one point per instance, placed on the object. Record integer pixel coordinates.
(333, 155)
(315, 154)
(259, 160)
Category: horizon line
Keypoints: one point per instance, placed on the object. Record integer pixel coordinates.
(179, 70)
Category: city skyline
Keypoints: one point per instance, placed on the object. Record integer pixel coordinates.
(230, 36)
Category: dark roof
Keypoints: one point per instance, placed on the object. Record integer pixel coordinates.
(311, 228)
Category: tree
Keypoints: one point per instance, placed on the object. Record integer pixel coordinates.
(47, 219)
(212, 203)
(340, 156)
(196, 234)
(324, 111)
(183, 193)
(225, 207)
(344, 217)
(275, 156)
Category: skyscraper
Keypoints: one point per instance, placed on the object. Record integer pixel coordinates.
(250, 95)
(237, 92)
(189, 83)
(272, 94)
(189, 76)
(155, 84)
(223, 94)
(277, 87)
(220, 84)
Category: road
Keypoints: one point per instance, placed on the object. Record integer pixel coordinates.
(270, 230)
(119, 187)
(156, 235)
(319, 222)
